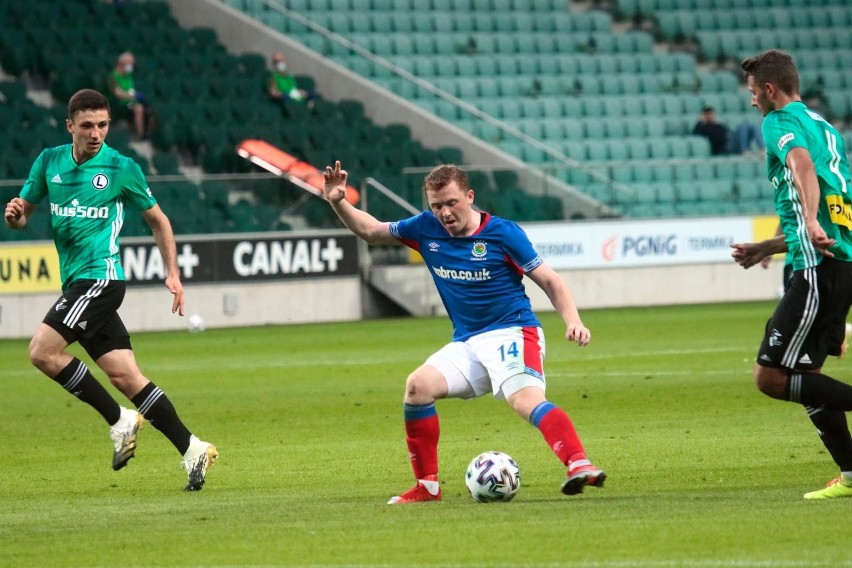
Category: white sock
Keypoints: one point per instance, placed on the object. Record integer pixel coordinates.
(431, 486)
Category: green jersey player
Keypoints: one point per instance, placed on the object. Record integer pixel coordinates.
(87, 185)
(806, 163)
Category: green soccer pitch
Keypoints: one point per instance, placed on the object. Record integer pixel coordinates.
(704, 471)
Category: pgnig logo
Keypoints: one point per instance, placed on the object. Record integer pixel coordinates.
(639, 246)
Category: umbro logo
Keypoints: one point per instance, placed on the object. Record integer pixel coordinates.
(56, 179)
(82, 324)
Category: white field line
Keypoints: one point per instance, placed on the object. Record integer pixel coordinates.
(389, 358)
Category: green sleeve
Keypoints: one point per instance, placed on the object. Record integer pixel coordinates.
(781, 134)
(35, 187)
(136, 190)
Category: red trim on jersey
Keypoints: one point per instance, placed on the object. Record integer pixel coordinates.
(513, 264)
(484, 219)
(532, 349)
(410, 244)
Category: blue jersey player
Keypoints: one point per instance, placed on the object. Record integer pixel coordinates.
(477, 261)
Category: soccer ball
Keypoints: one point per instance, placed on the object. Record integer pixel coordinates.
(195, 323)
(493, 476)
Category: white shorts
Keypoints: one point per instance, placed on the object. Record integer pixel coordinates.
(503, 361)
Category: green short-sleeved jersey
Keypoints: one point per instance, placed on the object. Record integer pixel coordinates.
(797, 126)
(87, 207)
(283, 82)
(124, 82)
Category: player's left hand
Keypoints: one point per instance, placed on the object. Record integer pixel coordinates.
(579, 334)
(176, 288)
(819, 239)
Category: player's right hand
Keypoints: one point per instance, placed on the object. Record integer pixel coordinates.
(747, 254)
(14, 211)
(578, 333)
(334, 183)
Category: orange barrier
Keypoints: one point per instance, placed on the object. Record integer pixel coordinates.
(283, 164)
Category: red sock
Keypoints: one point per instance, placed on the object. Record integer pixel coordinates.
(559, 433)
(421, 434)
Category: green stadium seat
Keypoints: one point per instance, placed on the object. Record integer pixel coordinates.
(380, 23)
(669, 24)
(597, 150)
(543, 43)
(402, 22)
(698, 147)
(401, 44)
(640, 149)
(611, 127)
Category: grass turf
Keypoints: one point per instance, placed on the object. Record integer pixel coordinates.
(703, 470)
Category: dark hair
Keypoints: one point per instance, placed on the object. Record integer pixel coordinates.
(774, 67)
(442, 175)
(708, 109)
(86, 99)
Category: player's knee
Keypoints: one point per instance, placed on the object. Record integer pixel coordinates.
(414, 385)
(771, 381)
(41, 357)
(418, 389)
(125, 379)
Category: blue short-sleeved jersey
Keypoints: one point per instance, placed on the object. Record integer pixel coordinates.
(478, 277)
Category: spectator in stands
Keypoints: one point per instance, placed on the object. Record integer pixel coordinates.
(282, 87)
(716, 132)
(745, 136)
(814, 96)
(130, 102)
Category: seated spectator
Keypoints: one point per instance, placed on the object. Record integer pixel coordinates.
(747, 137)
(815, 98)
(716, 132)
(722, 141)
(129, 102)
(281, 85)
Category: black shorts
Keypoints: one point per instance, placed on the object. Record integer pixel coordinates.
(88, 312)
(810, 321)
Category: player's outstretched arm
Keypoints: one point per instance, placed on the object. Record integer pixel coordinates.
(560, 296)
(359, 222)
(165, 239)
(18, 211)
(749, 254)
